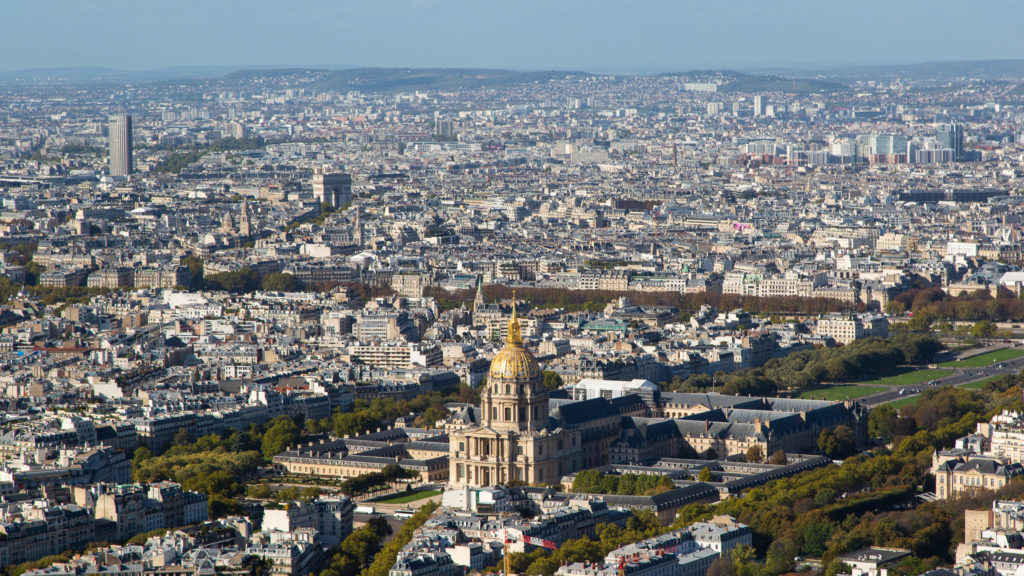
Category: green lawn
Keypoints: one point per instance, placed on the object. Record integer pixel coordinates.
(982, 360)
(903, 402)
(981, 383)
(841, 392)
(907, 378)
(913, 400)
(404, 497)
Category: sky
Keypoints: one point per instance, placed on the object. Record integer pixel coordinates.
(590, 35)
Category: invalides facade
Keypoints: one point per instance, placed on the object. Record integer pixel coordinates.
(516, 439)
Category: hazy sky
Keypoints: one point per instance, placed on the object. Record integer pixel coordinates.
(597, 35)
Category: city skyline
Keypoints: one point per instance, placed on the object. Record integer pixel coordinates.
(598, 37)
(500, 298)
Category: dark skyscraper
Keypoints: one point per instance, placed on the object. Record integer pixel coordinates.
(952, 136)
(121, 145)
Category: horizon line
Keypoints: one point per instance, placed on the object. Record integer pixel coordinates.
(638, 70)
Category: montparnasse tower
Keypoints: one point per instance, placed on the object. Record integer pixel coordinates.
(516, 440)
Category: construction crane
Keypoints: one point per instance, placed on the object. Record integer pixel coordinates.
(532, 540)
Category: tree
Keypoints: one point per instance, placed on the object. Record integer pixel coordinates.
(260, 491)
(244, 440)
(430, 417)
(895, 307)
(32, 272)
(204, 466)
(385, 559)
(280, 282)
(742, 560)
(664, 485)
(468, 394)
(815, 533)
(779, 457)
(181, 438)
(722, 566)
(930, 540)
(281, 434)
(755, 453)
(837, 443)
(836, 567)
(921, 322)
(552, 380)
(917, 349)
(704, 475)
(983, 329)
(238, 281)
(586, 481)
(882, 422)
(140, 455)
(781, 557)
(257, 566)
(698, 382)
(195, 267)
(627, 484)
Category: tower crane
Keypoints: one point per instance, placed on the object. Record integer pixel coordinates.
(508, 538)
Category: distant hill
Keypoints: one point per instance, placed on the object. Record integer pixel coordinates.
(86, 75)
(732, 81)
(940, 71)
(789, 80)
(392, 79)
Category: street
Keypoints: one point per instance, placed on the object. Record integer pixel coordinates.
(958, 377)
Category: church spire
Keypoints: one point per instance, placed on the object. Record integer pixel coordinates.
(245, 220)
(478, 302)
(515, 331)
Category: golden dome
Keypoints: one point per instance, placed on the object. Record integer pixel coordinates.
(514, 362)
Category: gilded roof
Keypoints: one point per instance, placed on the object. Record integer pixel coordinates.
(514, 362)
